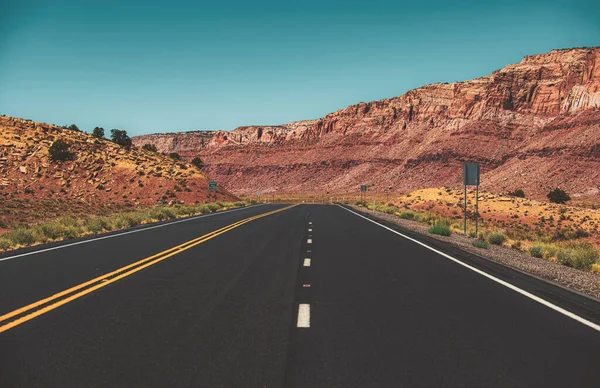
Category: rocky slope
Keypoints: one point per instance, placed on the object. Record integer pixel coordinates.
(533, 125)
(102, 175)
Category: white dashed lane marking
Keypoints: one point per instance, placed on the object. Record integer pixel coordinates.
(309, 241)
(303, 315)
(307, 262)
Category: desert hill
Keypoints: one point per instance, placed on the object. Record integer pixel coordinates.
(102, 176)
(533, 125)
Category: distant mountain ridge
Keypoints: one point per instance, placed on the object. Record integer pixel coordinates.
(533, 125)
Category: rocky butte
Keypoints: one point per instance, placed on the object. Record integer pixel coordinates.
(534, 125)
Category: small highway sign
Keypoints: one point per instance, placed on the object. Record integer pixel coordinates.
(471, 174)
(363, 188)
(212, 185)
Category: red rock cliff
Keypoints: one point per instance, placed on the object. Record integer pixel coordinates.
(533, 125)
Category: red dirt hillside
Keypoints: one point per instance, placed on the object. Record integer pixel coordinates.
(102, 176)
(534, 126)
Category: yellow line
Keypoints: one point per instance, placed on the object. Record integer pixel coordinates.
(151, 260)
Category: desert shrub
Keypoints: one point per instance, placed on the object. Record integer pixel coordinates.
(70, 232)
(198, 163)
(536, 251)
(52, 229)
(203, 209)
(213, 208)
(220, 204)
(516, 245)
(407, 214)
(360, 203)
(481, 244)
(440, 229)
(239, 204)
(157, 214)
(496, 238)
(120, 137)
(558, 196)
(96, 224)
(69, 221)
(184, 210)
(20, 236)
(595, 267)
(149, 147)
(59, 151)
(168, 213)
(580, 255)
(5, 244)
(174, 156)
(387, 209)
(517, 193)
(98, 132)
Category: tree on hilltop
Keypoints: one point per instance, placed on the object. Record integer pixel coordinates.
(120, 137)
(98, 132)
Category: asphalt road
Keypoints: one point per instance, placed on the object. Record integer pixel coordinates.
(243, 307)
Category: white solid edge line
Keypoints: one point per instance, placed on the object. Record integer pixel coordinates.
(303, 315)
(124, 233)
(500, 281)
(309, 241)
(307, 262)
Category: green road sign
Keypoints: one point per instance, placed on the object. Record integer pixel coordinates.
(471, 174)
(363, 188)
(212, 185)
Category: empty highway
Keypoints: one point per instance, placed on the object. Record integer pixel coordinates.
(285, 296)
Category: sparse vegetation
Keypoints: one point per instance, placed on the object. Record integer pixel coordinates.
(558, 196)
(440, 229)
(496, 238)
(120, 137)
(59, 151)
(73, 127)
(481, 244)
(69, 227)
(175, 156)
(198, 163)
(150, 147)
(517, 193)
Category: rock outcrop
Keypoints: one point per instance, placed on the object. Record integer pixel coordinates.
(533, 125)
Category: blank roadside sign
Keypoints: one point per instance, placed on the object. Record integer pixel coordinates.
(471, 174)
(363, 188)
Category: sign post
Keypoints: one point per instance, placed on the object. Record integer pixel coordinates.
(471, 172)
(257, 195)
(212, 186)
(363, 193)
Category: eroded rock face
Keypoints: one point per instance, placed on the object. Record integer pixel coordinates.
(533, 125)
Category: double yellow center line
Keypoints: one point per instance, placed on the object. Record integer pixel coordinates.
(33, 310)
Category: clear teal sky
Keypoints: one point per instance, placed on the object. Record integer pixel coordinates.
(150, 66)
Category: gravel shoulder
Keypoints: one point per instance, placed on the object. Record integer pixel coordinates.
(586, 283)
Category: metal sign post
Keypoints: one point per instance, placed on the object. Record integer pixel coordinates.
(257, 195)
(471, 172)
(363, 193)
(212, 186)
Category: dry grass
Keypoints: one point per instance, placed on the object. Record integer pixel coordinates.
(69, 227)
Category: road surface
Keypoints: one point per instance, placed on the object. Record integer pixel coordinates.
(278, 296)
